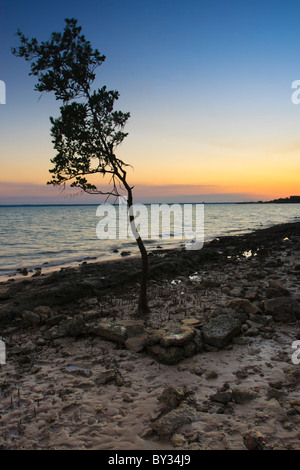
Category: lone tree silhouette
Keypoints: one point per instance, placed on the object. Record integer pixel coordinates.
(88, 130)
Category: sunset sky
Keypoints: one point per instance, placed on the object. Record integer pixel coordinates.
(208, 86)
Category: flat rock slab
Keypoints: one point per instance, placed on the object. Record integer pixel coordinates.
(220, 330)
(118, 332)
(178, 336)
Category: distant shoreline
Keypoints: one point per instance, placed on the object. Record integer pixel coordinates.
(287, 200)
(275, 201)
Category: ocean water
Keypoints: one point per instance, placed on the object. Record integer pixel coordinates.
(49, 237)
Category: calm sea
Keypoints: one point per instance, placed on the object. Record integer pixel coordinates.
(48, 237)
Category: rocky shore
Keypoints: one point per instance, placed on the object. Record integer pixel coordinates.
(213, 366)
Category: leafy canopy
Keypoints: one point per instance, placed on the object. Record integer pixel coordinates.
(88, 129)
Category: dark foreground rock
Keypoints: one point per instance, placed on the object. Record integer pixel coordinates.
(219, 331)
(283, 309)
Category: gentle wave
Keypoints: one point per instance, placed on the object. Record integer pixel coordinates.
(49, 236)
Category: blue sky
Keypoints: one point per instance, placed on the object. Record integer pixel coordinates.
(208, 86)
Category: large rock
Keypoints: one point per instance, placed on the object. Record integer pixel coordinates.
(220, 330)
(283, 309)
(173, 345)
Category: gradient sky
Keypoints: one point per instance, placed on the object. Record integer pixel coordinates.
(208, 85)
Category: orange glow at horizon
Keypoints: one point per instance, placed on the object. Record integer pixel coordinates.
(262, 171)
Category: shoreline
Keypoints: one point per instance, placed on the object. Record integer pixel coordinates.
(84, 372)
(44, 269)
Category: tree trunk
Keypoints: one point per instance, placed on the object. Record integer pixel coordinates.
(143, 306)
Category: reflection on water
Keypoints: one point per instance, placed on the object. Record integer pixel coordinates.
(47, 236)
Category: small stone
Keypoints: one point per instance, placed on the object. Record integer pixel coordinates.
(125, 253)
(254, 440)
(242, 374)
(126, 397)
(172, 396)
(223, 397)
(243, 304)
(31, 317)
(44, 311)
(175, 419)
(105, 376)
(76, 370)
(210, 374)
(178, 440)
(242, 396)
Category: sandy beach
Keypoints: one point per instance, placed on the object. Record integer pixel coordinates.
(212, 367)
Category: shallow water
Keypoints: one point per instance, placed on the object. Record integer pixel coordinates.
(50, 236)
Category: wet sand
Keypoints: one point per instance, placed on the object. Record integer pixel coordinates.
(64, 386)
